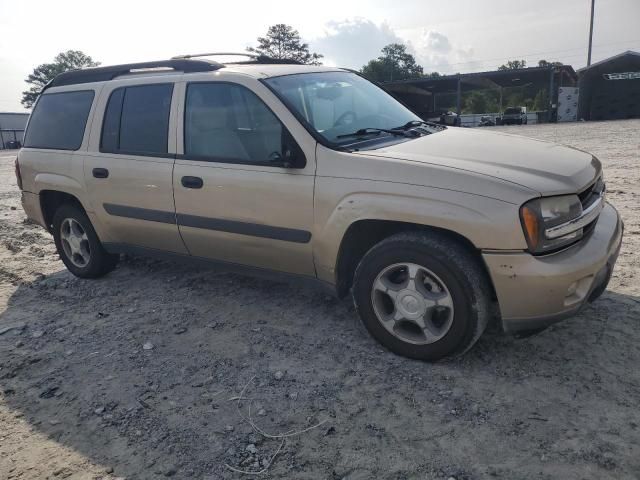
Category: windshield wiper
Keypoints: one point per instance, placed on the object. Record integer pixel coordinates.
(376, 131)
(417, 123)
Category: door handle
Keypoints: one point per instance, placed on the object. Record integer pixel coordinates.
(100, 172)
(192, 182)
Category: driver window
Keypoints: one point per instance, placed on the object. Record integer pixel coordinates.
(229, 123)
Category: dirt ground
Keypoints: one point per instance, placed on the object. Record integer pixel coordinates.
(134, 375)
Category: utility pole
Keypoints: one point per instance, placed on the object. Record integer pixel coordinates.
(593, 2)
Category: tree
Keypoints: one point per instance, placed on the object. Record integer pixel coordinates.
(541, 102)
(283, 42)
(475, 102)
(513, 65)
(394, 64)
(43, 74)
(544, 63)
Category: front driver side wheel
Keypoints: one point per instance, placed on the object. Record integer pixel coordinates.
(78, 245)
(422, 295)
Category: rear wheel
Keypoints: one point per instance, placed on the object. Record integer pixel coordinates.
(78, 245)
(422, 295)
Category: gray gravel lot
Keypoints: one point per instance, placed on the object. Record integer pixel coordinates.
(138, 374)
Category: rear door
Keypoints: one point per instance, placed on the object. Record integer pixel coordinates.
(236, 201)
(129, 168)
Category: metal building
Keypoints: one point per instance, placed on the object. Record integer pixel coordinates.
(12, 127)
(422, 94)
(610, 89)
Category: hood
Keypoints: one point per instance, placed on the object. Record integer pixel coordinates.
(545, 167)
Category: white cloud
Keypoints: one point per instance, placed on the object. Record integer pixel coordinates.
(353, 42)
(435, 51)
(437, 42)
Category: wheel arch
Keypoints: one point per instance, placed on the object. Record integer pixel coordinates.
(362, 235)
(51, 200)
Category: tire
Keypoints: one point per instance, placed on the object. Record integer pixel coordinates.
(448, 269)
(69, 224)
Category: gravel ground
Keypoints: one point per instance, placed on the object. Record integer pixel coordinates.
(138, 375)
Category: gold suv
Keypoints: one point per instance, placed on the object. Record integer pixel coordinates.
(316, 173)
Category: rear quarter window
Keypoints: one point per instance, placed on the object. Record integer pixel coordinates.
(59, 120)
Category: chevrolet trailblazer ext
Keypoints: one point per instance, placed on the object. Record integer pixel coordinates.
(318, 173)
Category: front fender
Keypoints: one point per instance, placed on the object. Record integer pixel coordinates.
(486, 222)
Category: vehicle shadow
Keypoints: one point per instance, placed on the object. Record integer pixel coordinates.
(135, 372)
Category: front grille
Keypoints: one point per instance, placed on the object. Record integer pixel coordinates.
(592, 192)
(586, 193)
(587, 197)
(589, 228)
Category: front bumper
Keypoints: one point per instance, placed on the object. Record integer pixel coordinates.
(534, 292)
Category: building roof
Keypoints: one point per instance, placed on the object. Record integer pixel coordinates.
(489, 79)
(629, 53)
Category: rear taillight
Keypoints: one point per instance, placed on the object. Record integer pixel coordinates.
(18, 175)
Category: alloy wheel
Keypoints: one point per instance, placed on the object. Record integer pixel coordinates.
(412, 303)
(75, 242)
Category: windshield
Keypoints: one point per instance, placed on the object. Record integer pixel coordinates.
(336, 104)
(513, 110)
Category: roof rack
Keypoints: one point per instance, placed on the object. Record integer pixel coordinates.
(254, 58)
(100, 74)
(180, 63)
(215, 54)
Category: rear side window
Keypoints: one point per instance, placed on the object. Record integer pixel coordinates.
(136, 120)
(59, 120)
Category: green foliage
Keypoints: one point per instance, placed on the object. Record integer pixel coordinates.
(283, 42)
(544, 63)
(513, 65)
(43, 74)
(541, 102)
(394, 64)
(481, 101)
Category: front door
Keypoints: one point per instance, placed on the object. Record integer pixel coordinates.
(236, 199)
(129, 169)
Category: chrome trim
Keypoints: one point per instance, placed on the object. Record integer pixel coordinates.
(588, 215)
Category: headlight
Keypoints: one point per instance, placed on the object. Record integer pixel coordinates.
(539, 216)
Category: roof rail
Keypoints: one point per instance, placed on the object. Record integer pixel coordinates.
(215, 54)
(100, 74)
(254, 57)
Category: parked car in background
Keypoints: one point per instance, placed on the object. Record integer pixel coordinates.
(316, 173)
(487, 121)
(450, 118)
(515, 116)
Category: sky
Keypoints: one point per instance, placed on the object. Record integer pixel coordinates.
(445, 36)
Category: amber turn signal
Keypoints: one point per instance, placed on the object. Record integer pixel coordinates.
(531, 226)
